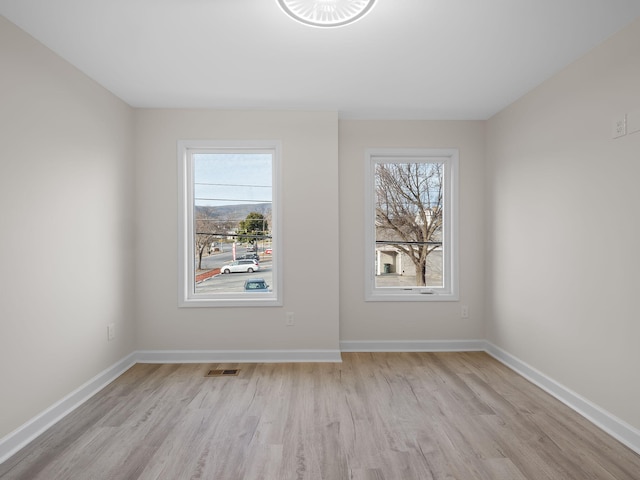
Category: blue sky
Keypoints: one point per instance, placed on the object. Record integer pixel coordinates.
(232, 178)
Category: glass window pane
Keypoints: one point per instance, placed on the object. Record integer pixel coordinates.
(232, 215)
(409, 204)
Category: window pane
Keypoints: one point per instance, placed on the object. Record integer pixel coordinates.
(232, 215)
(409, 209)
(229, 223)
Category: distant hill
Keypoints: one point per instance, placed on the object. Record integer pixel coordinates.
(235, 212)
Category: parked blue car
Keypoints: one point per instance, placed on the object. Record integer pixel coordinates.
(256, 285)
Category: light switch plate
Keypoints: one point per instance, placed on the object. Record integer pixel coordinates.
(633, 122)
(619, 127)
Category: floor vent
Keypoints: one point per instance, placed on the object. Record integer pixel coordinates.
(223, 373)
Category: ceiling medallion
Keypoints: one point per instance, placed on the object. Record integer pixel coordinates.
(326, 13)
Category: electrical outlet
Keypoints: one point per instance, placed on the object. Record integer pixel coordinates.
(619, 127)
(111, 331)
(464, 311)
(291, 321)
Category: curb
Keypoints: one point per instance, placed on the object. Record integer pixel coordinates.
(203, 276)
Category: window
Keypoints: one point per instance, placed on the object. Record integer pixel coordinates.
(229, 223)
(411, 245)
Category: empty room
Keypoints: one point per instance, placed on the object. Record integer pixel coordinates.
(319, 239)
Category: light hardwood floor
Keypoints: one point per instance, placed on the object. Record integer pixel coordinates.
(394, 416)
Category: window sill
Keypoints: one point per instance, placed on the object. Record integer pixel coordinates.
(412, 295)
(245, 301)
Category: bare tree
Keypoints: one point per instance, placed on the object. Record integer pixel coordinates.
(409, 206)
(205, 235)
(207, 231)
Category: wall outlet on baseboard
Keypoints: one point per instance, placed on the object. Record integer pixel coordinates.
(111, 331)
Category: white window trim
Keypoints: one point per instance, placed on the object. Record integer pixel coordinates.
(449, 157)
(186, 267)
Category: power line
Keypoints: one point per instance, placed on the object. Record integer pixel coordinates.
(249, 235)
(232, 200)
(393, 242)
(230, 185)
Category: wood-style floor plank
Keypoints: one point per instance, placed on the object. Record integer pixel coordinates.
(376, 416)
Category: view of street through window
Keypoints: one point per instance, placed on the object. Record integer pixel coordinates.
(210, 279)
(232, 220)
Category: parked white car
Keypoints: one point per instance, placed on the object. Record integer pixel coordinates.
(248, 265)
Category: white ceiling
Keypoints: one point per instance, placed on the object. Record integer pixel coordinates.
(429, 59)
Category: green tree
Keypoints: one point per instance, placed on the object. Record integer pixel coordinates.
(252, 227)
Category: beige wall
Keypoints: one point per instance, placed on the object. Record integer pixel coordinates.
(310, 233)
(66, 243)
(310, 192)
(564, 236)
(360, 320)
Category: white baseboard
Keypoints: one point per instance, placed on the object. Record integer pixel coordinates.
(617, 428)
(412, 346)
(24, 434)
(237, 356)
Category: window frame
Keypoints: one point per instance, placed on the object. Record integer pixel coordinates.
(450, 290)
(186, 248)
